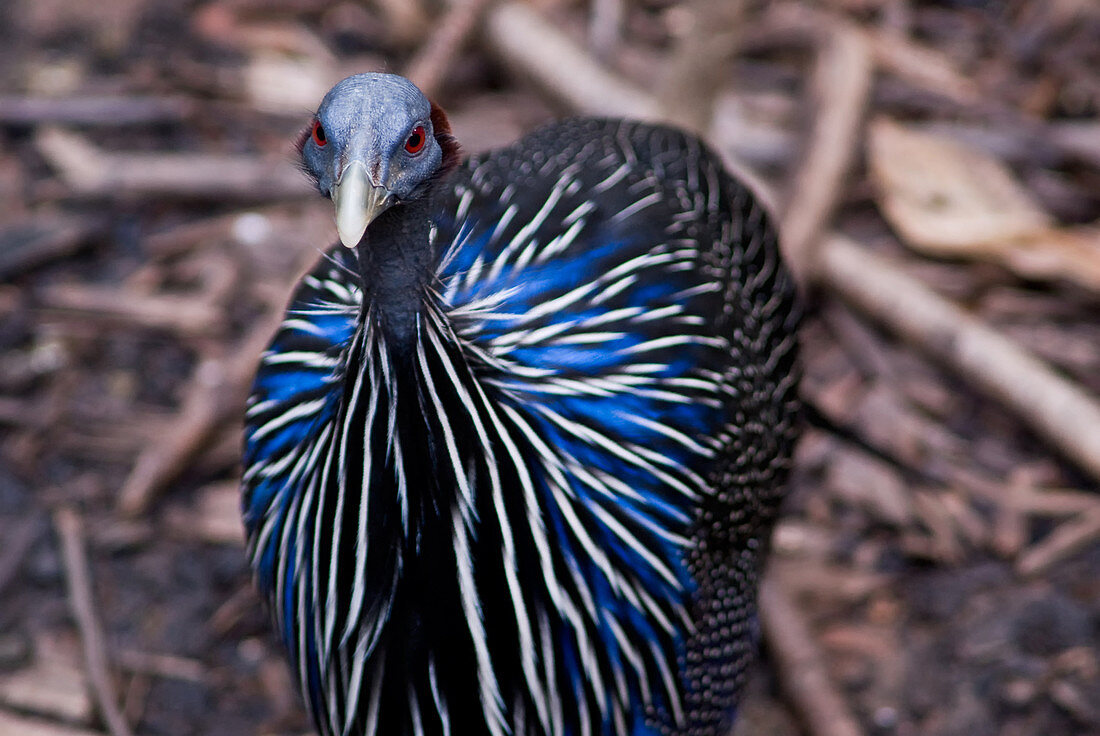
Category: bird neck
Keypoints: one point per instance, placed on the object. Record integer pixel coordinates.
(396, 266)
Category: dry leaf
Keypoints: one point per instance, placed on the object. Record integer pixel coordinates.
(1068, 253)
(944, 198)
(53, 685)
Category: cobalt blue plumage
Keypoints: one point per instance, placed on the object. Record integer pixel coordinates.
(513, 456)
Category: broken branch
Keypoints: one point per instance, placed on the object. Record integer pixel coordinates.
(801, 664)
(92, 172)
(429, 69)
(70, 529)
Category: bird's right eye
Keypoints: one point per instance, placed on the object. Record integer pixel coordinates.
(318, 133)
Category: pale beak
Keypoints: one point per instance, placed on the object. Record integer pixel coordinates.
(358, 202)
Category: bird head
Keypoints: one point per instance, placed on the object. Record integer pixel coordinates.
(375, 142)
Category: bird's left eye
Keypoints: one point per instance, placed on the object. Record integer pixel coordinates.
(319, 136)
(416, 140)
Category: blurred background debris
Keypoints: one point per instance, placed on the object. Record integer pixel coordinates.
(936, 169)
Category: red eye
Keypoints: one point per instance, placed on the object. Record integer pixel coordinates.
(416, 140)
(318, 133)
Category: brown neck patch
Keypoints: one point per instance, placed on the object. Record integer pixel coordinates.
(452, 151)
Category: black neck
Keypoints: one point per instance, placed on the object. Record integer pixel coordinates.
(395, 265)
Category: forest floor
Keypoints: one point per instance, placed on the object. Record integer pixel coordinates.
(937, 170)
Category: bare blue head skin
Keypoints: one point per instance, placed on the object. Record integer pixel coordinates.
(364, 164)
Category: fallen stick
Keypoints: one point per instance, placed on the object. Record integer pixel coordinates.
(923, 67)
(695, 69)
(801, 664)
(428, 70)
(918, 66)
(187, 315)
(1064, 414)
(110, 111)
(92, 172)
(166, 666)
(167, 455)
(839, 87)
(605, 27)
(70, 530)
(1055, 407)
(1078, 139)
(217, 391)
(1067, 539)
(532, 46)
(18, 725)
(1056, 502)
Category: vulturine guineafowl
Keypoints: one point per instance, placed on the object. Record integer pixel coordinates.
(513, 457)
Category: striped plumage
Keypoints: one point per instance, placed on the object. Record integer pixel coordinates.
(511, 461)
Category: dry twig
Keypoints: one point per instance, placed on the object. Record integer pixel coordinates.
(99, 110)
(1064, 541)
(605, 27)
(428, 70)
(925, 68)
(800, 664)
(918, 66)
(528, 44)
(217, 391)
(696, 68)
(70, 530)
(18, 725)
(187, 315)
(839, 87)
(1058, 409)
(92, 172)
